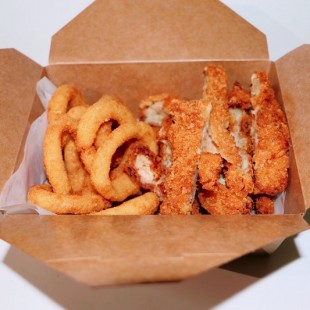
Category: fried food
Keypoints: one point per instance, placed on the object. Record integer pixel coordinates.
(77, 175)
(239, 98)
(64, 98)
(106, 109)
(74, 144)
(271, 139)
(209, 169)
(225, 163)
(143, 166)
(77, 112)
(224, 201)
(145, 204)
(116, 190)
(183, 132)
(43, 196)
(52, 153)
(264, 205)
(226, 153)
(152, 110)
(217, 121)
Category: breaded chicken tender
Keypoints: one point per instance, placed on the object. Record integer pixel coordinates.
(144, 167)
(239, 98)
(182, 132)
(271, 139)
(209, 170)
(264, 205)
(225, 165)
(240, 177)
(215, 98)
(224, 201)
(151, 109)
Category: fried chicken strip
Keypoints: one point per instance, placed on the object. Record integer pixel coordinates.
(151, 109)
(217, 138)
(224, 201)
(225, 164)
(271, 139)
(240, 177)
(182, 134)
(144, 167)
(264, 205)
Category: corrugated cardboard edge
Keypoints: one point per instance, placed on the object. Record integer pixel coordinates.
(97, 250)
(119, 31)
(294, 76)
(18, 78)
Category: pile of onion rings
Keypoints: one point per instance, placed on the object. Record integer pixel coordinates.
(83, 157)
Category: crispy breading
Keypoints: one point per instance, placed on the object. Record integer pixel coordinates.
(215, 95)
(224, 201)
(183, 134)
(240, 176)
(239, 98)
(237, 179)
(225, 168)
(264, 205)
(209, 169)
(271, 139)
(151, 109)
(143, 166)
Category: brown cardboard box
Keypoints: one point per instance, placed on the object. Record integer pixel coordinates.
(133, 51)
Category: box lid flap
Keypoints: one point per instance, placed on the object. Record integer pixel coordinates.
(18, 78)
(99, 250)
(117, 31)
(294, 77)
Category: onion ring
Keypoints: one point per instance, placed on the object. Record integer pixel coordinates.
(43, 196)
(100, 168)
(103, 133)
(52, 153)
(88, 154)
(145, 204)
(106, 109)
(75, 169)
(77, 112)
(64, 96)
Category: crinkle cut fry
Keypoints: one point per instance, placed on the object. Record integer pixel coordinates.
(271, 139)
(183, 134)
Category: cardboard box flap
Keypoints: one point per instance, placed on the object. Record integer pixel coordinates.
(294, 77)
(18, 78)
(110, 250)
(118, 31)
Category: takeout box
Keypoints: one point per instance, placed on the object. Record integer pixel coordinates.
(133, 51)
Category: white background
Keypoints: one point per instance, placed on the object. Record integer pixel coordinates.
(279, 281)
